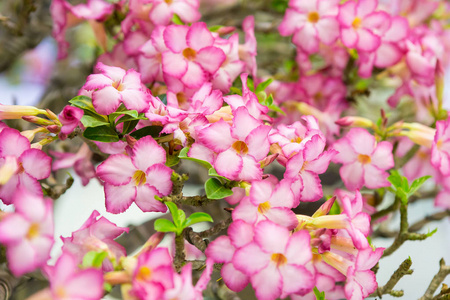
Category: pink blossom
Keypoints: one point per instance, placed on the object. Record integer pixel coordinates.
(70, 118)
(115, 86)
(192, 56)
(151, 56)
(275, 261)
(136, 178)
(323, 92)
(20, 165)
(162, 11)
(28, 233)
(364, 160)
(311, 22)
(360, 24)
(67, 281)
(96, 234)
(248, 51)
(359, 222)
(440, 150)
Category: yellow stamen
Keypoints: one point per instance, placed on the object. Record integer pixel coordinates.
(139, 178)
(279, 259)
(33, 231)
(189, 53)
(264, 207)
(240, 147)
(144, 274)
(364, 159)
(313, 17)
(356, 23)
(118, 85)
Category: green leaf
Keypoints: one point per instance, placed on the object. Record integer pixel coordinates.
(250, 84)
(128, 126)
(197, 217)
(213, 172)
(172, 160)
(164, 225)
(416, 184)
(174, 212)
(335, 209)
(215, 28)
(101, 134)
(130, 118)
(319, 295)
(91, 121)
(82, 102)
(215, 190)
(263, 85)
(269, 103)
(94, 259)
(107, 287)
(183, 155)
(176, 20)
(181, 218)
(235, 90)
(430, 233)
(152, 131)
(132, 113)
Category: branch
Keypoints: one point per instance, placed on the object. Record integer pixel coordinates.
(403, 269)
(436, 281)
(198, 238)
(381, 213)
(180, 253)
(430, 218)
(7, 284)
(200, 264)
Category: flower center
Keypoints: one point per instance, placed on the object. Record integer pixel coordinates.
(279, 259)
(189, 54)
(439, 144)
(60, 292)
(139, 178)
(168, 1)
(364, 159)
(20, 168)
(305, 164)
(313, 17)
(118, 85)
(264, 207)
(144, 274)
(240, 147)
(33, 231)
(356, 23)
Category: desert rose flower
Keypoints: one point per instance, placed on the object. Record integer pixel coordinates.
(440, 149)
(136, 178)
(162, 11)
(364, 160)
(28, 232)
(70, 118)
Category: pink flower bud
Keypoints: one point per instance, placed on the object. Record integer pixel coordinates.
(8, 112)
(352, 121)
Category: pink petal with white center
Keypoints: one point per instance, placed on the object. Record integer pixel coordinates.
(13, 228)
(362, 222)
(174, 64)
(294, 165)
(418, 64)
(271, 237)
(251, 169)
(175, 37)
(346, 154)
(21, 258)
(28, 183)
(282, 195)
(312, 190)
(367, 280)
(361, 140)
(382, 156)
(228, 164)
(220, 250)
(365, 7)
(97, 81)
(115, 73)
(158, 176)
(298, 249)
(443, 199)
(260, 192)
(320, 165)
(328, 7)
(240, 233)
(374, 177)
(238, 195)
(349, 36)
(377, 20)
(398, 31)
(258, 143)
(31, 206)
(291, 22)
(147, 152)
(195, 76)
(145, 199)
(367, 41)
(304, 6)
(8, 190)
(210, 59)
(368, 258)
(36, 163)
(117, 169)
(314, 147)
(245, 211)
(199, 37)
(353, 290)
(267, 283)
(243, 123)
(188, 13)
(201, 152)
(296, 278)
(12, 143)
(353, 176)
(387, 55)
(87, 284)
(119, 198)
(132, 80)
(307, 38)
(250, 259)
(282, 216)
(217, 136)
(161, 14)
(358, 238)
(233, 278)
(106, 100)
(328, 29)
(347, 13)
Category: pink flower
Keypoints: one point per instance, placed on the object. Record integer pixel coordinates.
(20, 165)
(364, 161)
(70, 118)
(114, 86)
(28, 232)
(275, 261)
(360, 24)
(96, 234)
(151, 56)
(162, 11)
(311, 22)
(248, 51)
(440, 150)
(192, 56)
(136, 178)
(67, 281)
(358, 222)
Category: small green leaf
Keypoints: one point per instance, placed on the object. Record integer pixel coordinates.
(174, 212)
(128, 126)
(176, 20)
(107, 287)
(430, 233)
(197, 217)
(215, 28)
(101, 134)
(215, 190)
(164, 225)
(417, 184)
(152, 131)
(263, 85)
(250, 84)
(181, 218)
(130, 118)
(183, 155)
(319, 295)
(172, 160)
(91, 121)
(94, 259)
(132, 113)
(335, 209)
(235, 90)
(269, 103)
(82, 102)
(213, 172)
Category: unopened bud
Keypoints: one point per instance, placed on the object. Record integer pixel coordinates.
(130, 140)
(38, 120)
(352, 121)
(268, 160)
(439, 82)
(9, 112)
(324, 209)
(53, 128)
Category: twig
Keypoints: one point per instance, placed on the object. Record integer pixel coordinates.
(180, 254)
(403, 269)
(216, 228)
(430, 218)
(198, 238)
(200, 264)
(381, 213)
(436, 281)
(7, 284)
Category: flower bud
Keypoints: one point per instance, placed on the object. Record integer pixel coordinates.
(9, 112)
(353, 121)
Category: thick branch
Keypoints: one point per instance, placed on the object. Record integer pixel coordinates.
(437, 280)
(180, 254)
(403, 269)
(197, 238)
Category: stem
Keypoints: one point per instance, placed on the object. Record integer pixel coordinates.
(436, 281)
(180, 254)
(403, 269)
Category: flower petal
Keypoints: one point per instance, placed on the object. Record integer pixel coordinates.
(145, 199)
(119, 198)
(36, 163)
(159, 176)
(147, 152)
(228, 164)
(118, 169)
